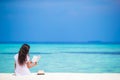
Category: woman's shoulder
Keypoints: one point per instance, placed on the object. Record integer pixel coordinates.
(16, 55)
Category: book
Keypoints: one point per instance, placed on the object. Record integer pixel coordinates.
(35, 58)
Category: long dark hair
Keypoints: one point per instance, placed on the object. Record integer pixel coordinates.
(23, 52)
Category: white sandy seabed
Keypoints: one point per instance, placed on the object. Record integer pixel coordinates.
(62, 76)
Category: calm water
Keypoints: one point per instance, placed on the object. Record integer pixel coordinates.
(84, 58)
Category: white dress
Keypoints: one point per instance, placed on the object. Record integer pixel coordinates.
(21, 70)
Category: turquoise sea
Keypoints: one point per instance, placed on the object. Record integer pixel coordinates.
(77, 58)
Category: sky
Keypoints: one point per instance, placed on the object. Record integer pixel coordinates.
(59, 20)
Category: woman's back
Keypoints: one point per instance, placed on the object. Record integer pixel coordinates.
(21, 69)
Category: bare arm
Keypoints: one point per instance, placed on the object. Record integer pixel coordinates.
(31, 64)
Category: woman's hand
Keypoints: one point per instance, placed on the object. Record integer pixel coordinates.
(35, 63)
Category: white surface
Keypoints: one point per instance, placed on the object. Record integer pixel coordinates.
(63, 76)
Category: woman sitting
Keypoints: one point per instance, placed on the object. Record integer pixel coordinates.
(22, 61)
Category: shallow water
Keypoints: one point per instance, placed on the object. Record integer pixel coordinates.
(66, 57)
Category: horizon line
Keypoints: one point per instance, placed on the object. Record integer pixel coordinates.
(41, 42)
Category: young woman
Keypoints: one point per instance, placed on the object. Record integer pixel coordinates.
(22, 61)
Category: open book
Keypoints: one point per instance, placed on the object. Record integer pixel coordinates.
(35, 58)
